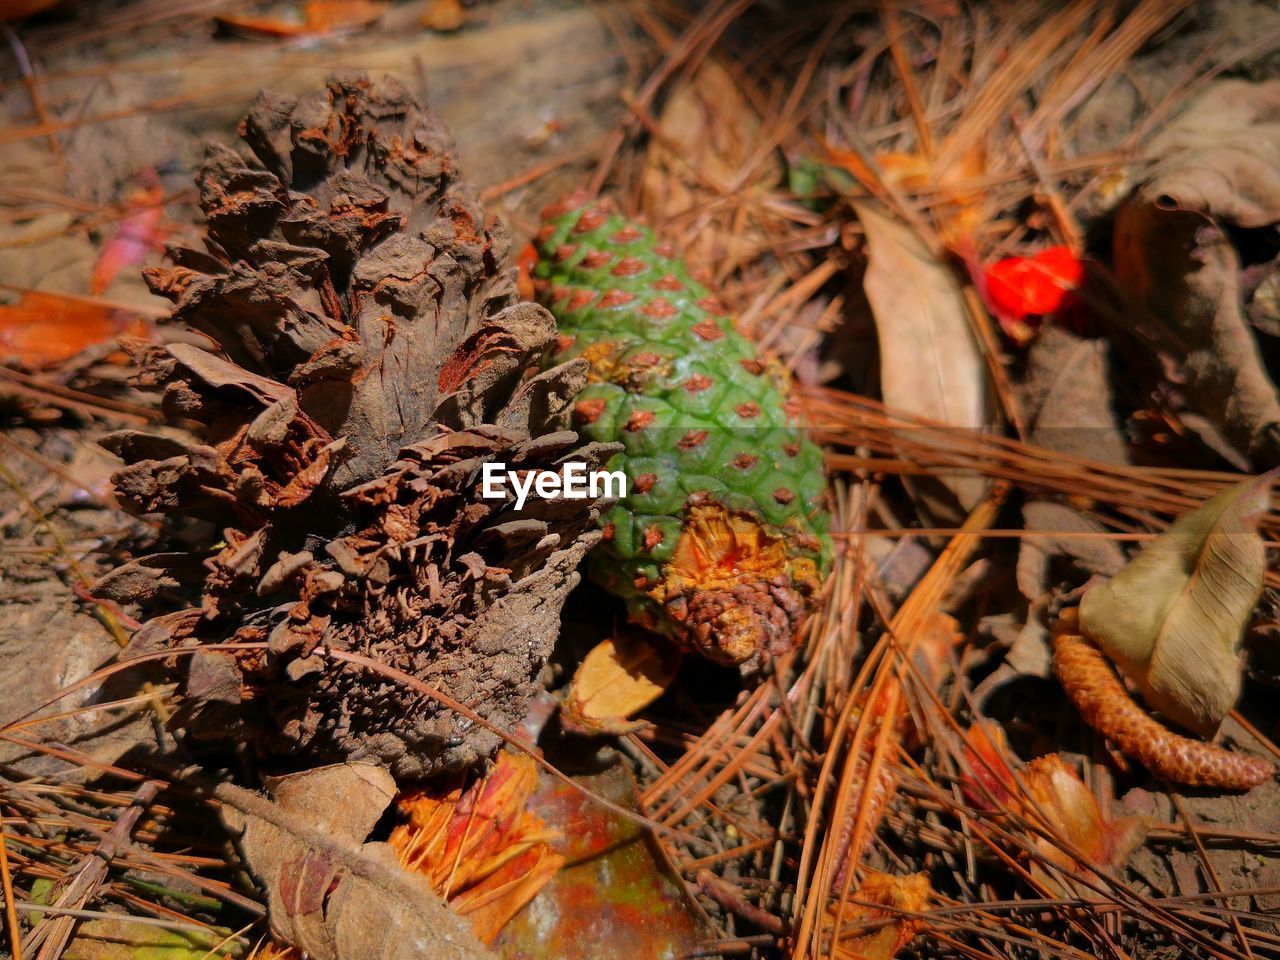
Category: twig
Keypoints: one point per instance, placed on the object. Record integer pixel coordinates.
(731, 898)
(33, 89)
(10, 903)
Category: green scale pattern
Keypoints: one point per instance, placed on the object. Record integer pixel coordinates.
(699, 415)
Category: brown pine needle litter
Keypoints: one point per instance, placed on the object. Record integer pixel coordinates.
(858, 800)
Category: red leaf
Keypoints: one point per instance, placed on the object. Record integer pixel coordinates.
(1017, 288)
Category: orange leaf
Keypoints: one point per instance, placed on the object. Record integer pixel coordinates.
(1048, 792)
(962, 214)
(45, 328)
(319, 16)
(325, 15)
(619, 677)
(1073, 810)
(989, 783)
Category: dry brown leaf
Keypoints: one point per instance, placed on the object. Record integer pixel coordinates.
(1218, 166)
(329, 894)
(1062, 531)
(930, 364)
(1172, 620)
(618, 678)
(1069, 396)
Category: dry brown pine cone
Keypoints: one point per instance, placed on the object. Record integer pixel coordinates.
(369, 355)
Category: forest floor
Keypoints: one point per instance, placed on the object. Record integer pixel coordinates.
(1021, 260)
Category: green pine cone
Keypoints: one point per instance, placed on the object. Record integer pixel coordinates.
(722, 540)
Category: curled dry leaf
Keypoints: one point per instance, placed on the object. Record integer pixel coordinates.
(1218, 167)
(330, 894)
(1173, 618)
(930, 364)
(1048, 792)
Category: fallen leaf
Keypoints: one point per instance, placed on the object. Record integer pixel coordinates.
(1050, 792)
(618, 678)
(45, 328)
(1218, 168)
(615, 899)
(1022, 291)
(1066, 533)
(1069, 397)
(329, 894)
(1173, 618)
(125, 938)
(1071, 809)
(930, 364)
(478, 843)
(318, 17)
